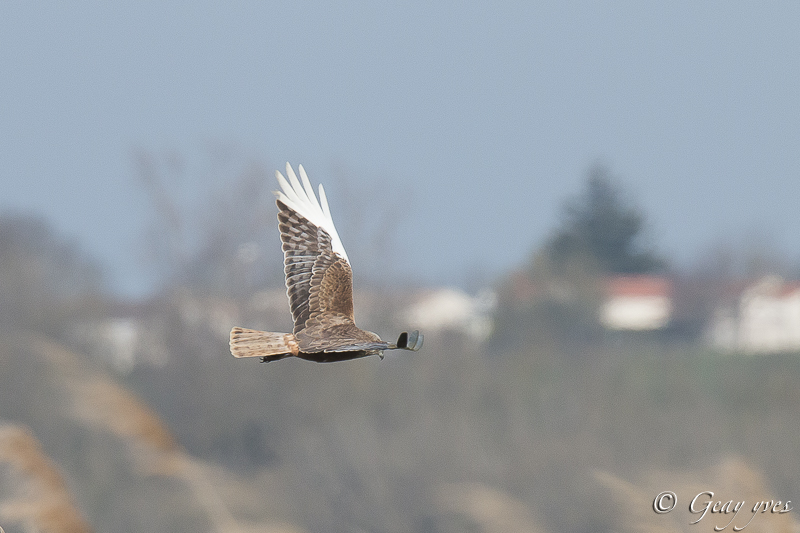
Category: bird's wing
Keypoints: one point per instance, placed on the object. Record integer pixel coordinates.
(319, 280)
(300, 198)
(329, 333)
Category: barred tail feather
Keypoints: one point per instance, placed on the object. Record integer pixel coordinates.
(254, 343)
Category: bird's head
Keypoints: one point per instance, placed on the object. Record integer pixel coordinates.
(408, 341)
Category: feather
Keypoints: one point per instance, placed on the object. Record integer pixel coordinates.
(300, 198)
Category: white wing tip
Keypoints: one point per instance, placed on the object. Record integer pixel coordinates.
(298, 195)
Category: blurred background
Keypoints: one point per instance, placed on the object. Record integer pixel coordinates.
(590, 211)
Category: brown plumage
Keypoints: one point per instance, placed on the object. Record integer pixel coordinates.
(319, 284)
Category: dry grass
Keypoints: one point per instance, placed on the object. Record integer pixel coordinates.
(485, 507)
(102, 403)
(42, 501)
(91, 397)
(99, 402)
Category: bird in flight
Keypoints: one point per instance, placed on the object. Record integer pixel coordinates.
(319, 284)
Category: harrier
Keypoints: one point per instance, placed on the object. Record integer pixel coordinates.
(319, 283)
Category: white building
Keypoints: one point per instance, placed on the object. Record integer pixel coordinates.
(764, 318)
(453, 309)
(636, 303)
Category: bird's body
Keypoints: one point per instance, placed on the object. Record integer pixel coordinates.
(319, 283)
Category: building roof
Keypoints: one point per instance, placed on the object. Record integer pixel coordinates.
(638, 285)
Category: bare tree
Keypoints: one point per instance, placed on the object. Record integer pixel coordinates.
(211, 229)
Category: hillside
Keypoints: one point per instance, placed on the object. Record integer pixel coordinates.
(447, 439)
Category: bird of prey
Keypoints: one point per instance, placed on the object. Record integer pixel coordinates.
(319, 284)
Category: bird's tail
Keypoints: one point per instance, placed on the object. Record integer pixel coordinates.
(254, 343)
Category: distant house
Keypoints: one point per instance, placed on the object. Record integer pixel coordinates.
(636, 303)
(764, 317)
(452, 309)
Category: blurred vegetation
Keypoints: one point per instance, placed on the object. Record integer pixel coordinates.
(602, 227)
(550, 426)
(211, 229)
(45, 280)
(554, 299)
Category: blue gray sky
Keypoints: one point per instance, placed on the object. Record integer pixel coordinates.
(487, 115)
